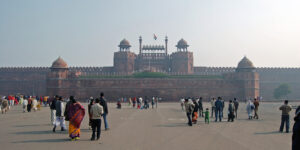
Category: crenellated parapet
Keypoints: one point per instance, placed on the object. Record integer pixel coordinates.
(278, 69)
(213, 70)
(197, 70)
(221, 70)
(24, 69)
(91, 69)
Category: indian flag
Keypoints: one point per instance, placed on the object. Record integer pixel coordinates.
(154, 36)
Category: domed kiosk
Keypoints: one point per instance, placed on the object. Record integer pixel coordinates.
(59, 63)
(59, 69)
(182, 61)
(182, 45)
(124, 59)
(57, 76)
(124, 45)
(248, 78)
(245, 65)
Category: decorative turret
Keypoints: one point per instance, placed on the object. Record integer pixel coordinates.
(245, 65)
(248, 79)
(182, 61)
(59, 69)
(182, 45)
(56, 77)
(59, 63)
(124, 59)
(124, 45)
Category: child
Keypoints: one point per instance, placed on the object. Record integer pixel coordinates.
(38, 106)
(206, 116)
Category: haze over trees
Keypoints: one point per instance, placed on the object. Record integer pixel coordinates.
(282, 91)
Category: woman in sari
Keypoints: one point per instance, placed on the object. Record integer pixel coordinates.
(195, 112)
(75, 114)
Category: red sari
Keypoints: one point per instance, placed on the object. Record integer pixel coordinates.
(76, 114)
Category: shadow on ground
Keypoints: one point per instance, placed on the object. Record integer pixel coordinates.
(266, 133)
(39, 132)
(44, 141)
(30, 125)
(173, 125)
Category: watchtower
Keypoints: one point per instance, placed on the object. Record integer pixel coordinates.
(124, 59)
(249, 79)
(182, 60)
(55, 78)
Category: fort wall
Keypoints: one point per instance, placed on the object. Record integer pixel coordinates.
(168, 89)
(29, 80)
(25, 80)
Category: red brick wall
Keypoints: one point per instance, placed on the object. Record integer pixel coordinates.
(24, 81)
(124, 62)
(182, 62)
(169, 89)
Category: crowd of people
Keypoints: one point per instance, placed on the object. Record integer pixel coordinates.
(73, 111)
(139, 102)
(28, 102)
(194, 109)
(193, 106)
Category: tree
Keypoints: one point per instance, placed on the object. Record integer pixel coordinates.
(282, 90)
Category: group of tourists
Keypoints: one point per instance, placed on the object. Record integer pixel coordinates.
(194, 106)
(28, 102)
(194, 109)
(73, 111)
(139, 102)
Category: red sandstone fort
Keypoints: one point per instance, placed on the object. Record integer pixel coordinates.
(177, 77)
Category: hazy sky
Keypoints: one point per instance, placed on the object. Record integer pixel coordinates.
(87, 32)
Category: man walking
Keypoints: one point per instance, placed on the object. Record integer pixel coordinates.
(60, 119)
(256, 104)
(219, 107)
(231, 111)
(189, 108)
(285, 117)
(25, 103)
(213, 106)
(103, 103)
(236, 106)
(200, 104)
(53, 109)
(223, 105)
(96, 112)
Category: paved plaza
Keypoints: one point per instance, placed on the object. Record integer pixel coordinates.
(152, 129)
